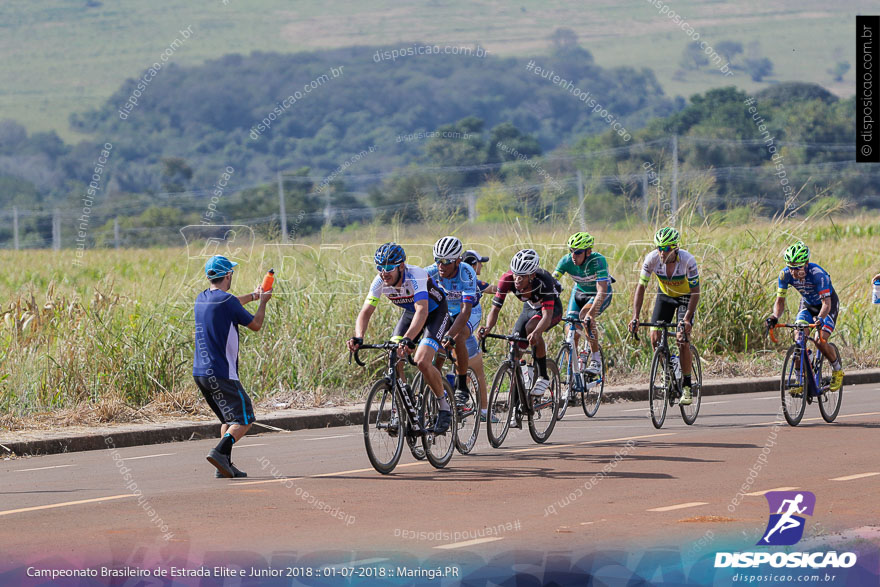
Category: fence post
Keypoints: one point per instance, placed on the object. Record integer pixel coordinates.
(56, 230)
(116, 231)
(581, 213)
(15, 226)
(281, 210)
(472, 207)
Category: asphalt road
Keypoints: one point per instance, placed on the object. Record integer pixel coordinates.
(612, 480)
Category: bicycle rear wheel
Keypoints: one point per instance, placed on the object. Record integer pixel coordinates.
(384, 427)
(658, 393)
(468, 429)
(413, 440)
(592, 397)
(793, 386)
(438, 447)
(500, 408)
(542, 416)
(689, 413)
(829, 401)
(566, 379)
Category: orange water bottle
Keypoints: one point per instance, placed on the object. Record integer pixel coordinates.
(269, 280)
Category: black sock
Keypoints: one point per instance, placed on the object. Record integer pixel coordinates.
(686, 381)
(541, 362)
(225, 446)
(462, 382)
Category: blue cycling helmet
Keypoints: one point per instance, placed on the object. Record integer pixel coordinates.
(389, 254)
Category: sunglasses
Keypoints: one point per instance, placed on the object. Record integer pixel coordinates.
(445, 261)
(386, 268)
(666, 249)
(577, 251)
(798, 268)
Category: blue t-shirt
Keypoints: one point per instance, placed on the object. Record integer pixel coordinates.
(460, 288)
(815, 286)
(218, 315)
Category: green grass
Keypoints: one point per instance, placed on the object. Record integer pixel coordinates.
(118, 331)
(61, 57)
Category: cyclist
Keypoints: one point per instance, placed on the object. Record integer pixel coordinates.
(593, 292)
(424, 313)
(459, 282)
(819, 304)
(475, 356)
(542, 308)
(679, 294)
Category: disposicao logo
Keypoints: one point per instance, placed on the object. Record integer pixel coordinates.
(785, 528)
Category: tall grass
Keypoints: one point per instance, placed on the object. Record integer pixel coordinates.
(118, 330)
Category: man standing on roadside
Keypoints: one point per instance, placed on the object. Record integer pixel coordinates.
(218, 315)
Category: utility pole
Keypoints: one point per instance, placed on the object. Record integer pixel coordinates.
(674, 178)
(472, 207)
(116, 232)
(645, 197)
(281, 209)
(581, 214)
(56, 230)
(15, 226)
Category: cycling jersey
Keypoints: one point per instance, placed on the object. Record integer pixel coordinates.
(414, 287)
(592, 271)
(543, 290)
(461, 288)
(685, 276)
(814, 287)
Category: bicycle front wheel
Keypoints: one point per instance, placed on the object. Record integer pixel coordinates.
(413, 440)
(542, 416)
(689, 413)
(500, 406)
(661, 381)
(438, 447)
(593, 389)
(566, 379)
(829, 401)
(383, 427)
(468, 430)
(793, 386)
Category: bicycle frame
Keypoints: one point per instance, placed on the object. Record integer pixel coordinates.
(520, 399)
(808, 377)
(398, 386)
(581, 382)
(664, 346)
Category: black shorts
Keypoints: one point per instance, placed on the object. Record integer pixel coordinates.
(808, 313)
(227, 399)
(669, 309)
(436, 325)
(529, 313)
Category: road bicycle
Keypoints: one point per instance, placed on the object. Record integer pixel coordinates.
(468, 414)
(392, 413)
(510, 399)
(665, 387)
(806, 368)
(572, 382)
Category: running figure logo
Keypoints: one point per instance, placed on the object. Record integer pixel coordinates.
(786, 527)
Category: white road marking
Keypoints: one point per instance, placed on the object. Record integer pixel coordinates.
(249, 445)
(851, 477)
(644, 409)
(468, 543)
(549, 446)
(65, 504)
(727, 401)
(328, 437)
(43, 468)
(164, 454)
(759, 493)
(679, 506)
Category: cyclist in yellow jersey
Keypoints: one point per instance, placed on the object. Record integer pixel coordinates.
(679, 294)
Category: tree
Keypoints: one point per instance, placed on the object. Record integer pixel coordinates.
(839, 70)
(729, 49)
(176, 174)
(693, 57)
(758, 68)
(564, 39)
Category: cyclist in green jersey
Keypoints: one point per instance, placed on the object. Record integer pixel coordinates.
(592, 294)
(679, 295)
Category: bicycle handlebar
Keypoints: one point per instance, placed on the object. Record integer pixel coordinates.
(386, 346)
(663, 325)
(792, 326)
(508, 337)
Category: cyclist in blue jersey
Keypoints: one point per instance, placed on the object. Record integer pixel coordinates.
(424, 315)
(459, 281)
(819, 303)
(475, 356)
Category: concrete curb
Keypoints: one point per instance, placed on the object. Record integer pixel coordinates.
(288, 420)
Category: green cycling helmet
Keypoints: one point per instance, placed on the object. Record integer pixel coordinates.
(797, 254)
(580, 240)
(666, 237)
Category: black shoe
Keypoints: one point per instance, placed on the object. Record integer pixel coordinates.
(238, 474)
(444, 419)
(462, 397)
(222, 462)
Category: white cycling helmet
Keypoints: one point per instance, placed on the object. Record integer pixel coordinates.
(525, 262)
(448, 247)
